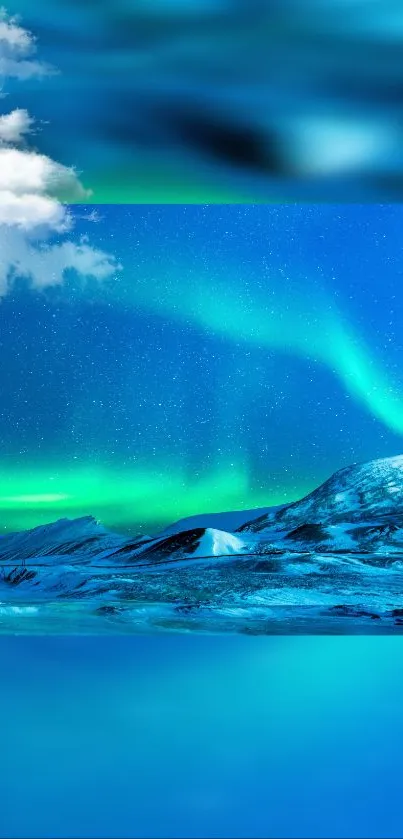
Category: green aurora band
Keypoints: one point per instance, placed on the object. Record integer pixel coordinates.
(120, 498)
(306, 323)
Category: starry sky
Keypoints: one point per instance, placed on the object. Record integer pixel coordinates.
(220, 100)
(235, 358)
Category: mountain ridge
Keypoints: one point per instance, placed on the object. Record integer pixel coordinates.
(358, 508)
(330, 562)
(363, 488)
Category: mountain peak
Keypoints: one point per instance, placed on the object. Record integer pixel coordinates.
(355, 492)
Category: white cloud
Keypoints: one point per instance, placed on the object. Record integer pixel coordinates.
(14, 126)
(29, 211)
(13, 36)
(14, 69)
(46, 264)
(29, 172)
(32, 188)
(16, 45)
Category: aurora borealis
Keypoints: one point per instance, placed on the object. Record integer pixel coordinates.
(234, 359)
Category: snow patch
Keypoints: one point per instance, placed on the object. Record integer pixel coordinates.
(218, 543)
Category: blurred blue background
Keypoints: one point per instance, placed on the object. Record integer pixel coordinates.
(201, 737)
(221, 100)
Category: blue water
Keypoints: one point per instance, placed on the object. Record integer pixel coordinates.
(189, 736)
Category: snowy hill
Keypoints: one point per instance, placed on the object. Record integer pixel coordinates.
(84, 540)
(366, 492)
(197, 543)
(64, 537)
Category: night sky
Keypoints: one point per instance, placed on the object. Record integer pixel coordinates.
(235, 357)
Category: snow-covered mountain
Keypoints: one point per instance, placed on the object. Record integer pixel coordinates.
(336, 555)
(359, 508)
(84, 541)
(76, 539)
(363, 492)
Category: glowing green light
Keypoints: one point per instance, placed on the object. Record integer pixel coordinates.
(124, 497)
(298, 319)
(44, 498)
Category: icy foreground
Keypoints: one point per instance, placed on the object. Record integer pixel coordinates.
(331, 562)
